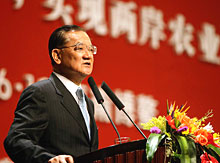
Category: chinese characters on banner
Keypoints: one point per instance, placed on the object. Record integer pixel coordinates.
(128, 97)
(123, 20)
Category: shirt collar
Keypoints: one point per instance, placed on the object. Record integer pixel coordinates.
(71, 86)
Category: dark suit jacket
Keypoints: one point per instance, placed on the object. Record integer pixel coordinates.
(48, 122)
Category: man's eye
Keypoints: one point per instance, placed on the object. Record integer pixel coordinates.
(91, 49)
(78, 48)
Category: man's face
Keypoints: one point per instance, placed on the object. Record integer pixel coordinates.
(76, 62)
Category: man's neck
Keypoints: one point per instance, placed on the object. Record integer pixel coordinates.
(77, 79)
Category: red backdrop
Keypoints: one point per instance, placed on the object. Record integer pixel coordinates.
(131, 69)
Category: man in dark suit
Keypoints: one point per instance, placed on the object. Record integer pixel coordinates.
(50, 124)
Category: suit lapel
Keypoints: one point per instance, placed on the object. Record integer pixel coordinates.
(69, 103)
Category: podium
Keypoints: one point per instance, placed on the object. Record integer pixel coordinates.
(131, 152)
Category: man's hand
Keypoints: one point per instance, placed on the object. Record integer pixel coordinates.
(61, 159)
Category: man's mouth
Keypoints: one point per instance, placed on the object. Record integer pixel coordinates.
(87, 63)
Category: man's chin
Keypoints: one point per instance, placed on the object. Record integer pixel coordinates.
(85, 74)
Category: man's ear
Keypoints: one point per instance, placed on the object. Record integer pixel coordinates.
(56, 56)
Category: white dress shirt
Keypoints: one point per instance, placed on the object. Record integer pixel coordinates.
(72, 87)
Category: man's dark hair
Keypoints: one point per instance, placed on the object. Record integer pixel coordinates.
(57, 38)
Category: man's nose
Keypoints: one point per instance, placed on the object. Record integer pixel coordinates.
(87, 54)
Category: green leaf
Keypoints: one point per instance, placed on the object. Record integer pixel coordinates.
(152, 145)
(216, 149)
(168, 110)
(177, 123)
(213, 151)
(188, 149)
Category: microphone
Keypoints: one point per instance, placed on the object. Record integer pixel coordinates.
(112, 96)
(119, 104)
(100, 100)
(95, 90)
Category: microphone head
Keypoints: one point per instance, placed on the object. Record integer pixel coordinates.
(112, 96)
(95, 90)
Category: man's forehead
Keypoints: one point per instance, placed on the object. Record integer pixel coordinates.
(77, 36)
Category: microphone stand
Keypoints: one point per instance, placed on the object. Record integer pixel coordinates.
(119, 137)
(118, 104)
(100, 100)
(134, 124)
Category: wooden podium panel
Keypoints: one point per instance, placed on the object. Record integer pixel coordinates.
(131, 152)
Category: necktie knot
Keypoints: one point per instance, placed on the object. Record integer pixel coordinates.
(79, 93)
